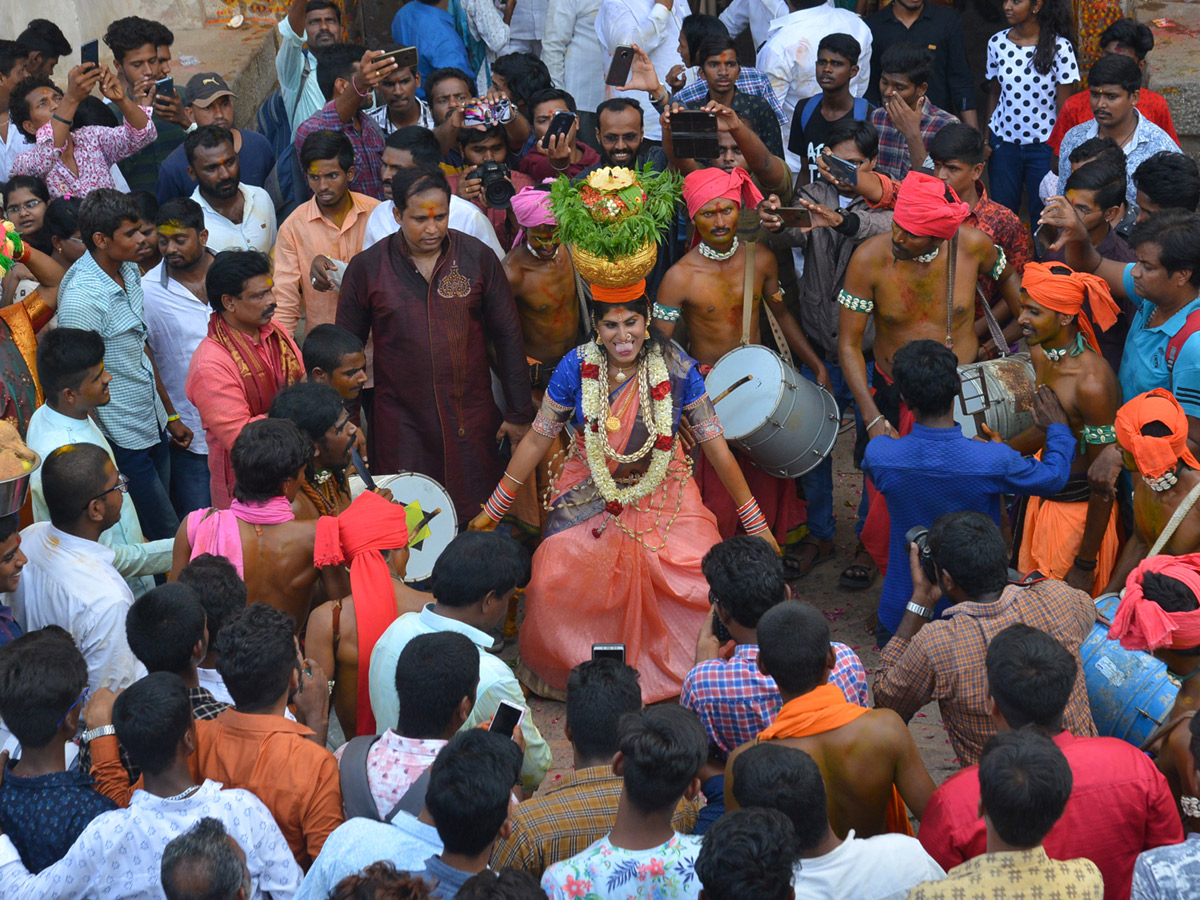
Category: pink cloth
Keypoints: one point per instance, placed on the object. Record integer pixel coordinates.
(531, 207)
(215, 531)
(97, 149)
(703, 186)
(1142, 624)
(923, 210)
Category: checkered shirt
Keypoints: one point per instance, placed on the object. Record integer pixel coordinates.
(366, 139)
(204, 704)
(750, 81)
(894, 160)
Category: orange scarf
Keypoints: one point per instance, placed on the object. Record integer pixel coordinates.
(266, 369)
(824, 709)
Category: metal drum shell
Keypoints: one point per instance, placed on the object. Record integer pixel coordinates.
(15, 491)
(784, 441)
(998, 390)
(445, 524)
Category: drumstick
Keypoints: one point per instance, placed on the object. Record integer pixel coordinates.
(425, 520)
(725, 393)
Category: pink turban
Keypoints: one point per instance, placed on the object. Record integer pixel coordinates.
(923, 210)
(1142, 624)
(531, 207)
(705, 185)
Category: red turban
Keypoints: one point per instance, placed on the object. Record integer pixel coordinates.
(1066, 292)
(370, 524)
(705, 185)
(1142, 624)
(1155, 456)
(923, 210)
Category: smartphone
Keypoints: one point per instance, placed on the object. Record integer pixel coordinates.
(90, 53)
(1044, 235)
(406, 57)
(843, 171)
(720, 632)
(609, 651)
(559, 125)
(794, 216)
(618, 69)
(164, 87)
(508, 716)
(694, 134)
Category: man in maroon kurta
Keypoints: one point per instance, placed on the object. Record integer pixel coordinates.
(434, 411)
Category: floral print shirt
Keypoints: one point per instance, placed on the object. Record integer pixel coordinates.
(605, 872)
(97, 148)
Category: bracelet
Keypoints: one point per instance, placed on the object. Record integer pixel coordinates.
(354, 85)
(875, 421)
(497, 504)
(26, 252)
(173, 417)
(59, 118)
(93, 733)
(513, 480)
(919, 610)
(1085, 565)
(752, 518)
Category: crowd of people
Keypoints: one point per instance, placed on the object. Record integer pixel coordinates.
(214, 339)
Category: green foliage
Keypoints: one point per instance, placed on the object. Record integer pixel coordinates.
(577, 228)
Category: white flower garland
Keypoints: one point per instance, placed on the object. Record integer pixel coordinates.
(657, 413)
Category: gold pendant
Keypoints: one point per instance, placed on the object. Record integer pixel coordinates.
(620, 376)
(613, 423)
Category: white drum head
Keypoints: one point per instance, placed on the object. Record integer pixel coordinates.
(420, 495)
(758, 375)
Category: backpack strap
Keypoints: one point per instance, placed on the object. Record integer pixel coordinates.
(1191, 325)
(811, 107)
(352, 774)
(860, 109)
(413, 799)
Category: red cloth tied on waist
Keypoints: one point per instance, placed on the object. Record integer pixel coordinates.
(923, 210)
(1155, 456)
(705, 185)
(368, 525)
(1061, 289)
(1142, 624)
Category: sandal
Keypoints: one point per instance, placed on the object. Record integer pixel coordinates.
(858, 576)
(797, 566)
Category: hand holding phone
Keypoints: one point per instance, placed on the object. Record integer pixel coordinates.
(165, 87)
(1044, 236)
(559, 127)
(90, 53)
(694, 134)
(845, 172)
(618, 69)
(794, 216)
(508, 716)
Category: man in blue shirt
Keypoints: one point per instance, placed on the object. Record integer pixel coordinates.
(428, 26)
(935, 470)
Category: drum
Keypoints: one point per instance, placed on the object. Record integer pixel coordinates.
(429, 514)
(784, 422)
(998, 393)
(1130, 691)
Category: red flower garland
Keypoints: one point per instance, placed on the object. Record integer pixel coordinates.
(664, 442)
(590, 370)
(660, 390)
(614, 507)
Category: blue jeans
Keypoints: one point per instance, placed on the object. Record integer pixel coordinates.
(1014, 166)
(190, 481)
(818, 482)
(149, 474)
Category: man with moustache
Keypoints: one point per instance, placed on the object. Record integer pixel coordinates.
(309, 27)
(238, 216)
(620, 137)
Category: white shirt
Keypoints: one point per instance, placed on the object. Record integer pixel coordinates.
(757, 15)
(571, 50)
(654, 28)
(464, 216)
(302, 95)
(256, 231)
(176, 323)
(70, 582)
(379, 115)
(10, 147)
(789, 57)
(135, 558)
(118, 856)
(405, 842)
(884, 867)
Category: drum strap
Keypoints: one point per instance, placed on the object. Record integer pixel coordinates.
(993, 326)
(777, 332)
(748, 292)
(1181, 511)
(951, 266)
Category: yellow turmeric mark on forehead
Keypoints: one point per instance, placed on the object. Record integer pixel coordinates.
(270, 281)
(171, 228)
(314, 169)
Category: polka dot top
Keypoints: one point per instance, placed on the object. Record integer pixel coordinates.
(1027, 107)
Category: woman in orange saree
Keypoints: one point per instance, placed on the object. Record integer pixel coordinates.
(626, 529)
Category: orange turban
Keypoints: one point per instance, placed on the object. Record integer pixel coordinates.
(1142, 624)
(1062, 289)
(923, 210)
(703, 186)
(626, 293)
(1155, 456)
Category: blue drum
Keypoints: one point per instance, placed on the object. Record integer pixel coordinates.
(1130, 691)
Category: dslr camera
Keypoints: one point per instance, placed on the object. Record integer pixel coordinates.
(919, 535)
(497, 188)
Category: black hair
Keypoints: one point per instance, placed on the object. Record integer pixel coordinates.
(45, 37)
(1024, 784)
(265, 454)
(31, 183)
(62, 221)
(208, 137)
(326, 346)
(19, 109)
(334, 62)
(1177, 234)
(147, 205)
(1128, 33)
(1116, 69)
(1170, 593)
(785, 778)
(547, 95)
(229, 272)
(507, 884)
(713, 45)
(696, 29)
(201, 864)
(970, 548)
(745, 577)
(1171, 180)
(10, 53)
(42, 675)
(218, 586)
(1030, 676)
(419, 142)
(433, 674)
(926, 372)
(793, 646)
(104, 211)
(313, 406)
(322, 145)
(599, 693)
(470, 136)
(748, 854)
(256, 656)
(478, 563)
(182, 211)
(381, 881)
(620, 104)
(72, 476)
(525, 75)
(314, 5)
(163, 626)
(9, 525)
(960, 142)
(128, 34)
(908, 59)
(417, 180)
(161, 34)
(437, 76)
(93, 111)
(151, 717)
(864, 135)
(470, 786)
(1097, 148)
(844, 45)
(64, 356)
(1104, 178)
(1054, 21)
(664, 748)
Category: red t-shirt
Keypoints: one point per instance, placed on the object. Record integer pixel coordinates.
(1078, 110)
(1120, 805)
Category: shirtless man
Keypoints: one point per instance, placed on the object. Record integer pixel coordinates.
(867, 758)
(1071, 537)
(1152, 431)
(318, 411)
(259, 534)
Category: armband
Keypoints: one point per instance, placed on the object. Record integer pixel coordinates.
(667, 313)
(1001, 262)
(1097, 434)
(855, 304)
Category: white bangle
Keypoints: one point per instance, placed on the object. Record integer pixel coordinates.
(875, 421)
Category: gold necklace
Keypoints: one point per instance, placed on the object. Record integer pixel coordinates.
(621, 376)
(613, 422)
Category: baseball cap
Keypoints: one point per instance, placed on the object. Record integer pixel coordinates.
(204, 88)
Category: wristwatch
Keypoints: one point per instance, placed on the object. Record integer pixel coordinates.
(92, 733)
(919, 610)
